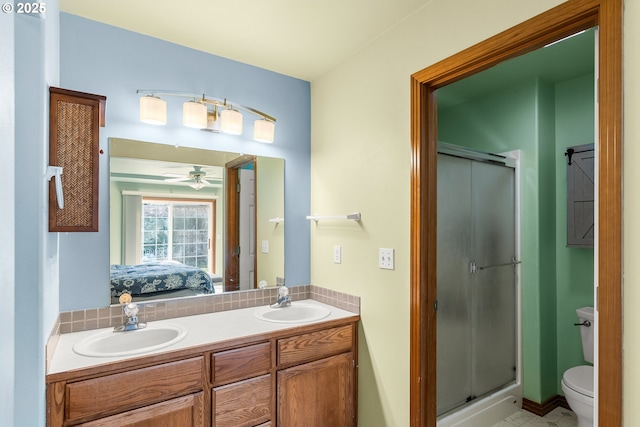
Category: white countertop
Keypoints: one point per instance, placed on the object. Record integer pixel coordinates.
(201, 330)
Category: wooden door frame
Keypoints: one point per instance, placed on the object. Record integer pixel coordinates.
(559, 22)
(232, 232)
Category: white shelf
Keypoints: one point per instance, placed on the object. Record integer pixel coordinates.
(353, 216)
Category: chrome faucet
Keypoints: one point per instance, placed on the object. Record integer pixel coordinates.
(284, 300)
(132, 323)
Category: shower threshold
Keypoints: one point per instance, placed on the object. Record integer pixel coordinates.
(485, 411)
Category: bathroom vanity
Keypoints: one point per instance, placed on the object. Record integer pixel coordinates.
(231, 369)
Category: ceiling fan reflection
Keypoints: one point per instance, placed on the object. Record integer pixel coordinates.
(197, 176)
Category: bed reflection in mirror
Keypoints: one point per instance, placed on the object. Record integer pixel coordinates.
(187, 221)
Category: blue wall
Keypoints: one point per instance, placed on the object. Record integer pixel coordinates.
(109, 61)
(33, 299)
(7, 217)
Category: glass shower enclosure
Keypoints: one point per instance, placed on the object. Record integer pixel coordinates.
(476, 277)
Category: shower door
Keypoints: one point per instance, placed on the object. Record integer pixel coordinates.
(476, 273)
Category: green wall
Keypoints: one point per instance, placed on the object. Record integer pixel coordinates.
(545, 125)
(538, 118)
(575, 117)
(269, 204)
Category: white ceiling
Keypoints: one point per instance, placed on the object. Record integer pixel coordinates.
(298, 38)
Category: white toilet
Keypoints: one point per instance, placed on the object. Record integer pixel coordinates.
(577, 382)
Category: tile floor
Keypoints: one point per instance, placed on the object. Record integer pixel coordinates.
(559, 417)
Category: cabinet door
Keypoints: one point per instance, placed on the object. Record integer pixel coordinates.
(246, 403)
(581, 196)
(186, 411)
(74, 143)
(319, 393)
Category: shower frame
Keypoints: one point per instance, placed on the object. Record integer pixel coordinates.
(499, 402)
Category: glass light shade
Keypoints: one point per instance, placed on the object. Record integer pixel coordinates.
(197, 185)
(231, 121)
(194, 115)
(153, 110)
(263, 130)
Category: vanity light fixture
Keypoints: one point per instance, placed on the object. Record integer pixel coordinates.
(213, 120)
(206, 113)
(263, 130)
(194, 115)
(231, 121)
(153, 110)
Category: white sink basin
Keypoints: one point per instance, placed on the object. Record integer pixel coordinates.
(295, 313)
(113, 344)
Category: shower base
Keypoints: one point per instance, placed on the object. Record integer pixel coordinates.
(486, 411)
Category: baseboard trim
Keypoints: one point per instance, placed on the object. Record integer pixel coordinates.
(542, 409)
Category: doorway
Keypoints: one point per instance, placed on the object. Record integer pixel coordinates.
(568, 18)
(240, 234)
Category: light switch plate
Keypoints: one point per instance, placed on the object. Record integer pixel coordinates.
(337, 254)
(265, 246)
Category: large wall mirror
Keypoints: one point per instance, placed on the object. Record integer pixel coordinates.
(187, 221)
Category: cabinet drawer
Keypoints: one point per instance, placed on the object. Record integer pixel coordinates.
(186, 411)
(240, 363)
(127, 390)
(243, 404)
(315, 345)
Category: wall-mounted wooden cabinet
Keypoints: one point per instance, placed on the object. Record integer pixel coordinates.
(580, 196)
(74, 122)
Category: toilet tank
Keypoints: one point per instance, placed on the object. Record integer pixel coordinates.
(587, 332)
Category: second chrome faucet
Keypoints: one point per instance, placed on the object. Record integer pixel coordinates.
(132, 323)
(284, 300)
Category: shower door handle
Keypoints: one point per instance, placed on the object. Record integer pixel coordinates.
(474, 268)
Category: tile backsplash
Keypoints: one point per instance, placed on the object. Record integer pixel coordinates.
(96, 318)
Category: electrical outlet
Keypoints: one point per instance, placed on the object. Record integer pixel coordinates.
(337, 254)
(385, 258)
(265, 246)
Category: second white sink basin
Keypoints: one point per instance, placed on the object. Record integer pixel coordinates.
(113, 344)
(295, 313)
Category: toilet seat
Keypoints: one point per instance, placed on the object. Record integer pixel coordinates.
(579, 379)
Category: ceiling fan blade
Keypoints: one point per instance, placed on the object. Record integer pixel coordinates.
(204, 181)
(173, 175)
(177, 179)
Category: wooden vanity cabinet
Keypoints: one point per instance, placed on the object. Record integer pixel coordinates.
(317, 386)
(182, 411)
(317, 393)
(242, 395)
(151, 395)
(302, 376)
